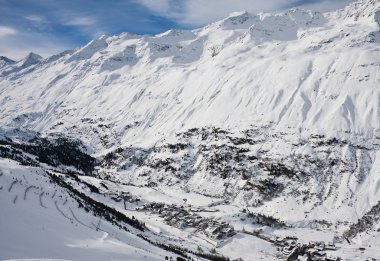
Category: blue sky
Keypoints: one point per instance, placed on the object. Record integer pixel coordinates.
(51, 26)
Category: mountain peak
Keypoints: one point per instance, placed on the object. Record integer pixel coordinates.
(30, 59)
(4, 61)
(4, 58)
(237, 19)
(244, 15)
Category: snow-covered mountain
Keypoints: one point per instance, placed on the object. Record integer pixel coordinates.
(273, 114)
(11, 66)
(295, 69)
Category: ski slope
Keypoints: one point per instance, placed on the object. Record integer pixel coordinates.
(40, 220)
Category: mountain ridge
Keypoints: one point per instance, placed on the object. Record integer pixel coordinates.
(110, 57)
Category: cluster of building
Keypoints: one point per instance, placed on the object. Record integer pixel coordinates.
(219, 231)
(314, 251)
(292, 250)
(126, 197)
(182, 218)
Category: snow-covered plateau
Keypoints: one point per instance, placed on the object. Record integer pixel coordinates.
(256, 137)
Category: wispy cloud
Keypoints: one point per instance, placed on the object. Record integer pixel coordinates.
(326, 5)
(6, 31)
(199, 12)
(34, 18)
(17, 46)
(159, 6)
(80, 21)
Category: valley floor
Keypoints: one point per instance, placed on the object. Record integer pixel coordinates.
(41, 220)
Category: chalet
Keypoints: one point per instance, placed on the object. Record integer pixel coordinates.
(228, 231)
(213, 231)
(319, 254)
(203, 225)
(288, 250)
(330, 246)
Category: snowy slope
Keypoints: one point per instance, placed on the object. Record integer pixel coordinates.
(274, 114)
(297, 69)
(41, 220)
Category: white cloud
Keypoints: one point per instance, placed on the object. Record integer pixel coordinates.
(6, 31)
(327, 5)
(199, 12)
(160, 6)
(17, 45)
(87, 25)
(34, 18)
(80, 21)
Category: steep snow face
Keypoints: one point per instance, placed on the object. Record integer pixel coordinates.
(89, 50)
(361, 10)
(284, 27)
(299, 71)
